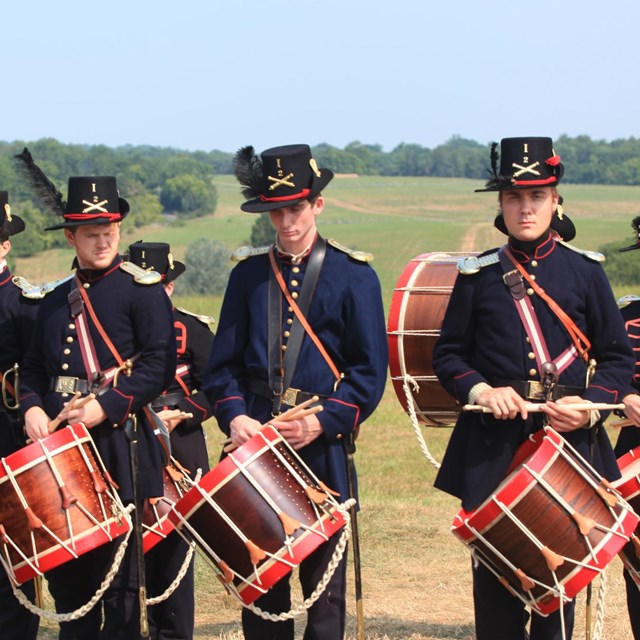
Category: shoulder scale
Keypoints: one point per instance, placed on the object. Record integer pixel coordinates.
(242, 253)
(198, 316)
(37, 292)
(360, 256)
(625, 301)
(472, 264)
(140, 275)
(595, 256)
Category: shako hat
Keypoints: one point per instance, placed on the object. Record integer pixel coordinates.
(90, 199)
(635, 225)
(524, 163)
(156, 256)
(279, 177)
(10, 224)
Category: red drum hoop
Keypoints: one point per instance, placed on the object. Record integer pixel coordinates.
(629, 488)
(155, 512)
(550, 527)
(417, 309)
(55, 504)
(257, 514)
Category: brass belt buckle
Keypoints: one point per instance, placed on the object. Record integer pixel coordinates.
(66, 384)
(535, 390)
(290, 397)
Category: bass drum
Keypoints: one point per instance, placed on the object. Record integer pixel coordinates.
(418, 305)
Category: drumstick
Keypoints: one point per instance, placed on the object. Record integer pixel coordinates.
(536, 407)
(295, 413)
(625, 422)
(75, 403)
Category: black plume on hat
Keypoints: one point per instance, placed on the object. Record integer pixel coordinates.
(280, 177)
(46, 191)
(635, 225)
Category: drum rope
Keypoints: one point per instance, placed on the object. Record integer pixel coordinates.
(85, 608)
(408, 380)
(600, 607)
(187, 558)
(322, 584)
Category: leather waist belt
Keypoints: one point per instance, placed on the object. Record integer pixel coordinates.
(71, 385)
(290, 397)
(534, 390)
(167, 400)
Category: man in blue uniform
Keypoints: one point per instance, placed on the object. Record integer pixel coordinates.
(17, 315)
(629, 437)
(265, 361)
(173, 618)
(129, 326)
(488, 355)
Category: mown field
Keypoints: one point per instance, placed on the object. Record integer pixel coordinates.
(416, 575)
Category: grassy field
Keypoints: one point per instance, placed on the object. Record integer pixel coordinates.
(416, 575)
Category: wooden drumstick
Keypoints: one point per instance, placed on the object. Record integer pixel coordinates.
(75, 403)
(536, 407)
(298, 412)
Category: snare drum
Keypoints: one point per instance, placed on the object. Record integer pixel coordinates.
(629, 488)
(417, 310)
(55, 504)
(257, 514)
(550, 527)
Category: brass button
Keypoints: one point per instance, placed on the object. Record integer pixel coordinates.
(339, 436)
(534, 263)
(286, 334)
(284, 347)
(296, 269)
(64, 395)
(65, 366)
(294, 283)
(290, 309)
(531, 355)
(527, 339)
(86, 285)
(533, 372)
(72, 326)
(69, 339)
(294, 295)
(289, 320)
(529, 292)
(67, 352)
(532, 276)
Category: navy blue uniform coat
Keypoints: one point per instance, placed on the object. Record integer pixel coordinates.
(483, 339)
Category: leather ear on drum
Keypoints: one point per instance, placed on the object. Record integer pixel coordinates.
(418, 305)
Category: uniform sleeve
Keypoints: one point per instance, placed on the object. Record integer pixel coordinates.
(453, 351)
(365, 357)
(225, 366)
(34, 378)
(152, 324)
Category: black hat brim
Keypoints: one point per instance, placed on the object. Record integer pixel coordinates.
(633, 247)
(124, 210)
(563, 226)
(172, 274)
(256, 205)
(13, 227)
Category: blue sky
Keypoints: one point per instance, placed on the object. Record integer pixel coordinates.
(220, 74)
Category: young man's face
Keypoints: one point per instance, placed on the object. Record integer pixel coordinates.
(527, 213)
(296, 225)
(96, 245)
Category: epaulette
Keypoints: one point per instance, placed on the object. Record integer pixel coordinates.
(625, 301)
(140, 275)
(361, 256)
(242, 253)
(198, 316)
(35, 292)
(591, 255)
(472, 264)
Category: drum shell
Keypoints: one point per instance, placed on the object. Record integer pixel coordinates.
(526, 496)
(629, 488)
(418, 306)
(40, 490)
(252, 514)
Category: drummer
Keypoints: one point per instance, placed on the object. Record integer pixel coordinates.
(136, 325)
(183, 409)
(629, 437)
(264, 359)
(17, 315)
(487, 356)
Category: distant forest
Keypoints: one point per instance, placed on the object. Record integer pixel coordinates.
(165, 181)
